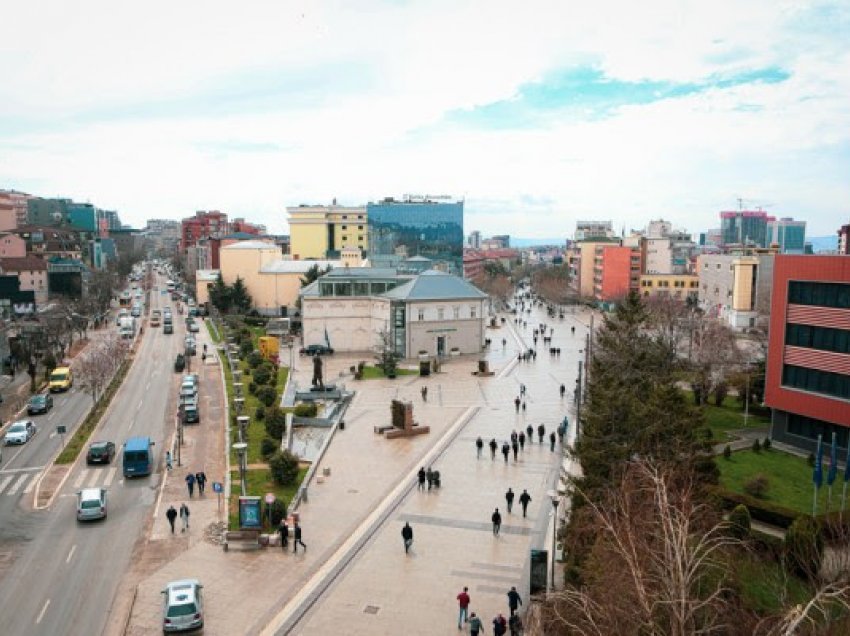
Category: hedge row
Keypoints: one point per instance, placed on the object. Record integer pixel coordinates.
(759, 510)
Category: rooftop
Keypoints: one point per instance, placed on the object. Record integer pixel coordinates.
(434, 285)
(251, 245)
(284, 266)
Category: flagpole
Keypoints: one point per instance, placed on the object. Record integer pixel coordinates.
(817, 476)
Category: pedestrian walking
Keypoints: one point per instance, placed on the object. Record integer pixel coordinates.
(422, 477)
(541, 431)
(463, 607)
(168, 464)
(521, 437)
(283, 529)
(514, 600)
(184, 517)
(506, 451)
(424, 392)
(513, 437)
(496, 518)
(407, 537)
(476, 627)
(563, 390)
(552, 438)
(296, 538)
(517, 403)
(201, 479)
(509, 497)
(523, 407)
(500, 625)
(429, 477)
(524, 500)
(171, 515)
(493, 447)
(515, 625)
(530, 432)
(522, 390)
(515, 448)
(190, 484)
(479, 446)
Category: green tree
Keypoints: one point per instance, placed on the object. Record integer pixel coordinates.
(803, 547)
(739, 522)
(220, 295)
(284, 467)
(239, 296)
(386, 357)
(313, 274)
(275, 423)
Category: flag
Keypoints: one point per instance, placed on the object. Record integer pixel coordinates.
(847, 465)
(327, 338)
(833, 463)
(817, 475)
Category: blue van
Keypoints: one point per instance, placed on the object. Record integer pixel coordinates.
(138, 457)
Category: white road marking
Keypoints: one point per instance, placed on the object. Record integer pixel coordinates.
(138, 408)
(31, 485)
(71, 553)
(80, 478)
(95, 474)
(43, 610)
(17, 485)
(5, 482)
(110, 475)
(29, 469)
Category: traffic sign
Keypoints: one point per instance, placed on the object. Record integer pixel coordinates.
(61, 429)
(270, 498)
(217, 487)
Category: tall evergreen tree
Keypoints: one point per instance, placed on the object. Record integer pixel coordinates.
(239, 296)
(220, 295)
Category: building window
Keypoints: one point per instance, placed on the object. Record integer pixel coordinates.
(360, 227)
(823, 338)
(441, 313)
(831, 384)
(344, 227)
(819, 294)
(421, 314)
(472, 311)
(456, 311)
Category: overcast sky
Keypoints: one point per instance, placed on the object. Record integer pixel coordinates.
(537, 113)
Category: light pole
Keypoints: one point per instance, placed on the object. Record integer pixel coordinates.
(241, 448)
(555, 497)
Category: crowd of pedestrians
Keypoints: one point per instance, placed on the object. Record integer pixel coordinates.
(501, 625)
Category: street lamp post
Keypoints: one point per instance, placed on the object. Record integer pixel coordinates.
(555, 497)
(241, 448)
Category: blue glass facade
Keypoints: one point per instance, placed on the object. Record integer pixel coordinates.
(421, 228)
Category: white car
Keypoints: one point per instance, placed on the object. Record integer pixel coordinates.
(20, 432)
(184, 607)
(91, 504)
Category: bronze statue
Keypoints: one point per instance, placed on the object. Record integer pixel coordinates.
(317, 373)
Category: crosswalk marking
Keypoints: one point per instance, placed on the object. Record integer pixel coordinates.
(5, 482)
(94, 477)
(110, 475)
(16, 486)
(31, 485)
(79, 481)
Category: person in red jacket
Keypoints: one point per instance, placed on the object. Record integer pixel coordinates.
(463, 607)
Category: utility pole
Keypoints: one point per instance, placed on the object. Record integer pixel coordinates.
(578, 401)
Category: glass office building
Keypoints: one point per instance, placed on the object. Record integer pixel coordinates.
(416, 227)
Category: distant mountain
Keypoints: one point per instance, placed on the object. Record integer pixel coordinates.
(532, 242)
(823, 243)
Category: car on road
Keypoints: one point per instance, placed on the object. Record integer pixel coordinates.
(61, 379)
(168, 328)
(40, 403)
(316, 350)
(179, 363)
(183, 608)
(193, 327)
(20, 432)
(91, 504)
(100, 453)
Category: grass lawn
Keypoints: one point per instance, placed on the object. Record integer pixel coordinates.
(728, 417)
(764, 585)
(789, 478)
(370, 372)
(214, 334)
(258, 483)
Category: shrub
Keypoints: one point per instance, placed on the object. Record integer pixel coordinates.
(277, 511)
(766, 444)
(309, 409)
(760, 509)
(268, 446)
(275, 423)
(707, 433)
(254, 359)
(246, 348)
(803, 547)
(267, 395)
(262, 375)
(727, 452)
(756, 446)
(252, 388)
(739, 522)
(284, 467)
(260, 413)
(720, 393)
(757, 486)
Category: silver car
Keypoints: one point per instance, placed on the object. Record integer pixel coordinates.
(20, 432)
(91, 504)
(184, 606)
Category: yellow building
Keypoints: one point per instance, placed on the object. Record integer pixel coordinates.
(679, 286)
(319, 231)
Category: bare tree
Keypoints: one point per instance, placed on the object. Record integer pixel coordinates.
(95, 367)
(715, 353)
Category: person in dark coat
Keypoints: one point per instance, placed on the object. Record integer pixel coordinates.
(552, 438)
(524, 500)
(541, 431)
(493, 447)
(506, 451)
(422, 478)
(190, 484)
(516, 404)
(171, 515)
(563, 390)
(429, 477)
(201, 480)
(500, 626)
(530, 432)
(509, 497)
(296, 538)
(479, 445)
(515, 625)
(496, 518)
(184, 517)
(521, 437)
(407, 536)
(514, 600)
(283, 529)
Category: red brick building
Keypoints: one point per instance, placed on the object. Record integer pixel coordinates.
(242, 226)
(212, 224)
(808, 362)
(616, 271)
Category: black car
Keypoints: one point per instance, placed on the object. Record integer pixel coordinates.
(316, 350)
(100, 453)
(40, 403)
(179, 363)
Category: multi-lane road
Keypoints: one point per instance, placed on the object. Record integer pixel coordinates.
(59, 576)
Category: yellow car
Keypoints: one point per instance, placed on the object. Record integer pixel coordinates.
(61, 379)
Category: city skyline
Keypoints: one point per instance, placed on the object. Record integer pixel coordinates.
(550, 114)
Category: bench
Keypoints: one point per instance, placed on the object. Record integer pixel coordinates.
(251, 538)
(380, 429)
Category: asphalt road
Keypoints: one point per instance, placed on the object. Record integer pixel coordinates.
(61, 575)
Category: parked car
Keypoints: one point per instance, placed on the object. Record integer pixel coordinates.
(100, 453)
(168, 328)
(316, 350)
(40, 403)
(179, 363)
(91, 504)
(193, 327)
(20, 432)
(183, 608)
